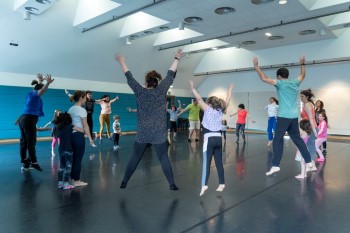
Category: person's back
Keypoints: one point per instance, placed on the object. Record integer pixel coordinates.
(287, 91)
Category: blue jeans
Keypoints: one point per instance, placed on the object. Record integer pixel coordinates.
(66, 159)
(271, 125)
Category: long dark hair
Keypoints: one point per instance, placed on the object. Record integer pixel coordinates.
(274, 99)
(305, 125)
(308, 94)
(105, 96)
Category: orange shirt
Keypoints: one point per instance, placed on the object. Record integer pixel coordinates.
(242, 116)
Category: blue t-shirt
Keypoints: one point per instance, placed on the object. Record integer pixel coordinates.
(287, 91)
(34, 104)
(173, 114)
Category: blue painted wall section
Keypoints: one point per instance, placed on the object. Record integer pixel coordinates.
(12, 105)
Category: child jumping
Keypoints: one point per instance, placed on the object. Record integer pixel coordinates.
(213, 110)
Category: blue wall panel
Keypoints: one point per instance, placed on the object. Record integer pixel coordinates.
(12, 105)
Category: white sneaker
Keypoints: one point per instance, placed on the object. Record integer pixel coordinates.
(273, 170)
(79, 183)
(220, 188)
(204, 188)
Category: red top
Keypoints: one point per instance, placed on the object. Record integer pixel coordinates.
(242, 115)
(304, 116)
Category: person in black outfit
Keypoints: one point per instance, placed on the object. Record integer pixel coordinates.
(151, 117)
(89, 107)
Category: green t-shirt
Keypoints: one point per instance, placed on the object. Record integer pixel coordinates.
(287, 91)
(193, 114)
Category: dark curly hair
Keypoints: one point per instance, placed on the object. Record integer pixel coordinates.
(241, 106)
(37, 85)
(105, 96)
(217, 103)
(283, 72)
(62, 120)
(152, 79)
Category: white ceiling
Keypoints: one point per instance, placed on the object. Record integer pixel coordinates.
(54, 41)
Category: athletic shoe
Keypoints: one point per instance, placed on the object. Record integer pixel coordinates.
(173, 187)
(79, 183)
(68, 186)
(273, 170)
(36, 167)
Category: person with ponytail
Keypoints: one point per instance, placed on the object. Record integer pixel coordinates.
(272, 109)
(28, 121)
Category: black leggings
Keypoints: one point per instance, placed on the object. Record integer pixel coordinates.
(27, 126)
(139, 149)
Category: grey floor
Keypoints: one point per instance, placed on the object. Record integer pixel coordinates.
(30, 201)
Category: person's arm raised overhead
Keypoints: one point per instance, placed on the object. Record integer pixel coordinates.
(121, 59)
(261, 74)
(302, 68)
(115, 99)
(178, 55)
(49, 80)
(199, 98)
(229, 94)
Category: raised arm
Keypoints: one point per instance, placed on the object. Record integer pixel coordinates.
(121, 59)
(261, 74)
(131, 110)
(115, 99)
(198, 97)
(178, 56)
(68, 93)
(229, 95)
(302, 68)
(49, 80)
(179, 108)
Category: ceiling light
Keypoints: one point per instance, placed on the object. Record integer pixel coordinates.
(307, 32)
(282, 2)
(127, 41)
(268, 34)
(249, 42)
(214, 48)
(163, 28)
(26, 15)
(181, 26)
(148, 32)
(276, 37)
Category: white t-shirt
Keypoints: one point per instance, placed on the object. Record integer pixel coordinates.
(77, 113)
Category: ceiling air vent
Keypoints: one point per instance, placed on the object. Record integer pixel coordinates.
(224, 10)
(276, 37)
(260, 2)
(249, 42)
(193, 19)
(307, 32)
(163, 28)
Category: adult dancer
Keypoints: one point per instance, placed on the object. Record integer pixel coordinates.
(89, 107)
(272, 109)
(151, 117)
(27, 122)
(242, 115)
(193, 118)
(106, 111)
(79, 119)
(288, 112)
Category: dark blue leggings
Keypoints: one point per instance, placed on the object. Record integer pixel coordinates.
(161, 150)
(78, 145)
(291, 126)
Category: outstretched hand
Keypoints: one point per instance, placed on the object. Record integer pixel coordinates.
(119, 57)
(179, 54)
(40, 77)
(48, 78)
(191, 84)
(255, 61)
(302, 59)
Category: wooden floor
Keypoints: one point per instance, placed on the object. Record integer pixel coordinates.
(251, 202)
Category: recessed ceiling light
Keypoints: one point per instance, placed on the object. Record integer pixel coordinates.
(148, 32)
(307, 32)
(346, 25)
(259, 2)
(31, 9)
(44, 1)
(163, 28)
(214, 48)
(248, 42)
(132, 37)
(282, 2)
(224, 10)
(193, 19)
(268, 34)
(276, 37)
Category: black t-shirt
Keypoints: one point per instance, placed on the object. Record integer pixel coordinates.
(89, 105)
(64, 135)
